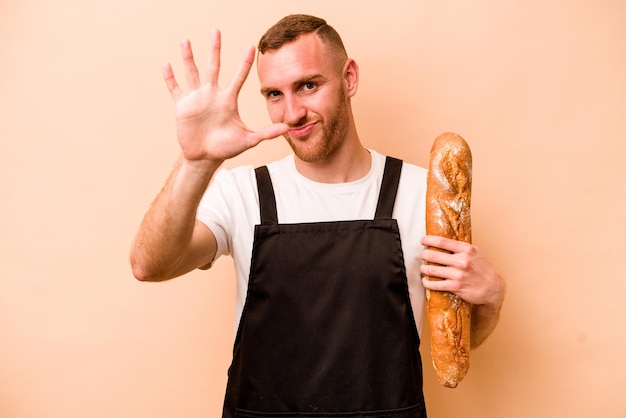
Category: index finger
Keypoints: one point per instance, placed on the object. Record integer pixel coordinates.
(443, 243)
(241, 74)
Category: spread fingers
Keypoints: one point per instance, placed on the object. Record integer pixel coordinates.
(191, 71)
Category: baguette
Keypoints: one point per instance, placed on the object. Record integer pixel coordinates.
(448, 214)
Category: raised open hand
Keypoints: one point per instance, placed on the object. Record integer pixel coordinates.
(207, 118)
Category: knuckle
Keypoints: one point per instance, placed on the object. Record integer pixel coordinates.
(428, 269)
(457, 277)
(473, 251)
(464, 263)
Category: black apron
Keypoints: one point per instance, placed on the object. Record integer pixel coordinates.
(327, 329)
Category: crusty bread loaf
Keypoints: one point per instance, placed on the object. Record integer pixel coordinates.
(448, 214)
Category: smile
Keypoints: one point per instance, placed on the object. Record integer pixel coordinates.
(303, 131)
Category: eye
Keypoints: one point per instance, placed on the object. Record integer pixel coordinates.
(309, 86)
(272, 95)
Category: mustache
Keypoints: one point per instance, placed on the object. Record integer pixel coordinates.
(299, 124)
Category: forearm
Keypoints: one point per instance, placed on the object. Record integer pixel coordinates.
(167, 229)
(485, 316)
(484, 321)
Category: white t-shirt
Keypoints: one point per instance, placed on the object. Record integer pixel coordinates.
(230, 208)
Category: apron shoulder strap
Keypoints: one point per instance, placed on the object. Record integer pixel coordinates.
(388, 188)
(267, 199)
(386, 198)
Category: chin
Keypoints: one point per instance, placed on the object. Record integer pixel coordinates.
(304, 150)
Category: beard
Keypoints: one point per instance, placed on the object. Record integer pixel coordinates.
(334, 130)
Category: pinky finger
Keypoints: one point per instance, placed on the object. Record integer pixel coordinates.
(170, 81)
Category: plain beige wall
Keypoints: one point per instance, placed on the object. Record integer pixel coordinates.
(537, 88)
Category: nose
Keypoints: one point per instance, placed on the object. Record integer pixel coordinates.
(295, 111)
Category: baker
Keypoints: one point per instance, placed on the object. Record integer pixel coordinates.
(328, 242)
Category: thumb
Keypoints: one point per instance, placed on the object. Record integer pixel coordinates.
(270, 132)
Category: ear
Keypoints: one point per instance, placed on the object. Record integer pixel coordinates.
(351, 77)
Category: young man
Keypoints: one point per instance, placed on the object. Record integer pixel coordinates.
(328, 242)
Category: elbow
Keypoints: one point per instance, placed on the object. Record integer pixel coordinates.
(146, 276)
(141, 274)
(142, 270)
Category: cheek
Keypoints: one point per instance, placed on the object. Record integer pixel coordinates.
(327, 103)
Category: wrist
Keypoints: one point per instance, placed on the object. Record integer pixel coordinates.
(190, 178)
(201, 167)
(493, 305)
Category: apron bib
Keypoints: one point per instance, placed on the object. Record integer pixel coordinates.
(327, 329)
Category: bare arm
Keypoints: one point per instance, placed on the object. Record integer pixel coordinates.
(170, 241)
(467, 273)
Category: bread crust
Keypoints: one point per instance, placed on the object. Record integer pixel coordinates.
(448, 199)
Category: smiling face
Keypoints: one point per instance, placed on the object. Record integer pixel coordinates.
(307, 85)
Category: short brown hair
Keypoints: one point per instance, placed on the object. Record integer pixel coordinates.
(291, 27)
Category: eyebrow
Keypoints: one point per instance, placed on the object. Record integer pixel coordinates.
(265, 91)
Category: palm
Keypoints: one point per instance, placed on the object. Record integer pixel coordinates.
(208, 126)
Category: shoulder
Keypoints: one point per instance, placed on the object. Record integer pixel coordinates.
(413, 181)
(411, 189)
(410, 172)
(284, 166)
(414, 172)
(230, 190)
(238, 185)
(244, 176)
(241, 174)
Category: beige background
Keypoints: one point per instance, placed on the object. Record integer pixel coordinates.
(537, 88)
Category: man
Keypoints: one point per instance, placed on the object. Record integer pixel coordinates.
(328, 243)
